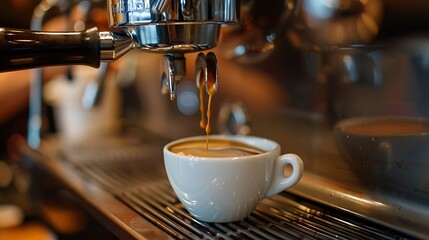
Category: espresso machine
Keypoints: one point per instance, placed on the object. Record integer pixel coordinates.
(316, 64)
(170, 27)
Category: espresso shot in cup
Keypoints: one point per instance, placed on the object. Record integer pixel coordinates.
(225, 182)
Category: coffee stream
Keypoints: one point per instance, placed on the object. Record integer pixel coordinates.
(211, 90)
(203, 123)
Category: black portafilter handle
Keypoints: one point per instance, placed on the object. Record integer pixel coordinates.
(25, 49)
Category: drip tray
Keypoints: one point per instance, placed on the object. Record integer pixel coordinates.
(133, 174)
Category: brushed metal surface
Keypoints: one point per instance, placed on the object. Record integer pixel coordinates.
(123, 182)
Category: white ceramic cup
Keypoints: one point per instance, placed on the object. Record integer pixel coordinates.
(229, 189)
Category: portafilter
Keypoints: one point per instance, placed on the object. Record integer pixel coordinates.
(171, 27)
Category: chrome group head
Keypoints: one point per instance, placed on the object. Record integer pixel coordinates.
(173, 27)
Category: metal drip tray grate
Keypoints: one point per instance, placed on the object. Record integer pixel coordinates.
(282, 217)
(134, 173)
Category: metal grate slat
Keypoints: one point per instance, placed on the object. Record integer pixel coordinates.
(307, 222)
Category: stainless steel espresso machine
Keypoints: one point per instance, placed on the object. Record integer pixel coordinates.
(170, 27)
(296, 71)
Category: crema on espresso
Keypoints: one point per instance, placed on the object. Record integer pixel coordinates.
(217, 149)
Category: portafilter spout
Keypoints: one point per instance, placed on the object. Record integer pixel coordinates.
(171, 27)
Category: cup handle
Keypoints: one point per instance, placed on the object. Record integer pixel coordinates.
(280, 182)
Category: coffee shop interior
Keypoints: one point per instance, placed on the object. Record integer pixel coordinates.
(92, 90)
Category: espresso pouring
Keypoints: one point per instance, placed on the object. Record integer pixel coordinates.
(206, 79)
